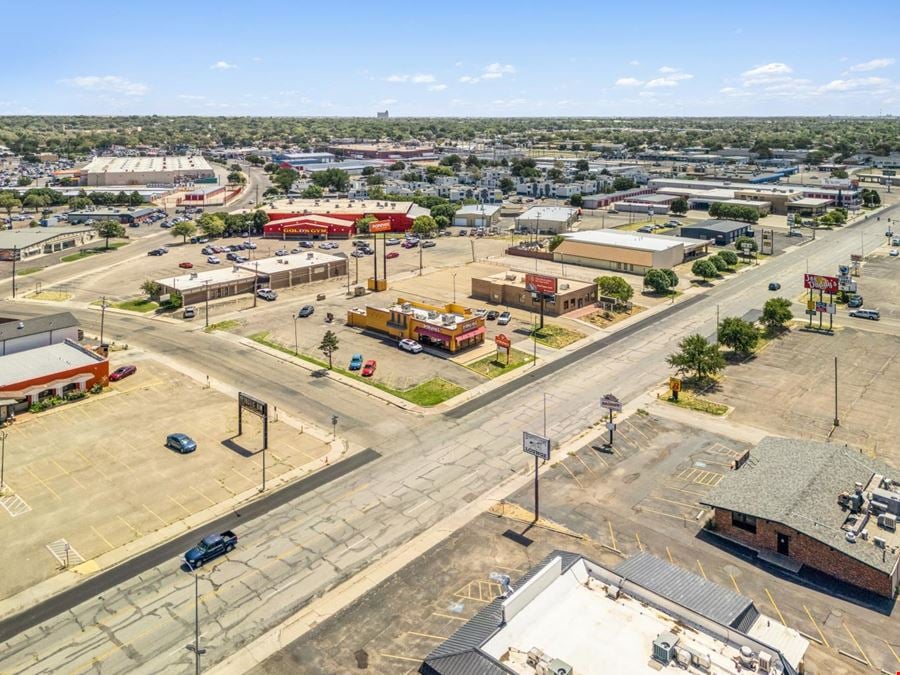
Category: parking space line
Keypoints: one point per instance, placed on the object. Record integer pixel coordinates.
(860, 649)
(672, 501)
(632, 426)
(734, 581)
(892, 649)
(449, 616)
(585, 463)
(772, 600)
(186, 509)
(130, 526)
(202, 495)
(681, 518)
(702, 571)
(105, 540)
(605, 463)
(612, 534)
(69, 474)
(401, 658)
(41, 481)
(245, 477)
(816, 626)
(640, 545)
(425, 635)
(690, 492)
(152, 513)
(574, 477)
(669, 553)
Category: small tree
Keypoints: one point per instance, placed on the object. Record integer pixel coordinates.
(8, 202)
(362, 225)
(704, 269)
(109, 229)
(153, 289)
(657, 280)
(673, 278)
(237, 178)
(312, 192)
(259, 220)
(719, 262)
(555, 241)
(679, 206)
(615, 287)
(184, 229)
(576, 200)
(776, 314)
(424, 225)
(738, 335)
(329, 346)
(730, 257)
(697, 356)
(740, 241)
(211, 224)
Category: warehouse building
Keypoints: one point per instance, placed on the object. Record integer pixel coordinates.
(627, 251)
(477, 215)
(651, 204)
(126, 216)
(19, 335)
(721, 232)
(40, 241)
(599, 201)
(309, 227)
(547, 219)
(510, 289)
(451, 327)
(145, 170)
(821, 505)
(381, 151)
(400, 214)
(570, 615)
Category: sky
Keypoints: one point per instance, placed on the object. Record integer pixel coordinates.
(451, 59)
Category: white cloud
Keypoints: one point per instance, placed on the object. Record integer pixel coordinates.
(661, 82)
(256, 59)
(671, 78)
(387, 101)
(857, 83)
(458, 64)
(222, 65)
(634, 62)
(628, 82)
(110, 83)
(668, 69)
(874, 64)
(191, 97)
(466, 79)
(492, 71)
(437, 87)
(767, 70)
(416, 78)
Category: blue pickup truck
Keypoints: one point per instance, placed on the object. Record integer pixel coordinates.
(210, 547)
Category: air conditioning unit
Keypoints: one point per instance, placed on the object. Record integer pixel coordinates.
(664, 647)
(765, 662)
(888, 521)
(879, 542)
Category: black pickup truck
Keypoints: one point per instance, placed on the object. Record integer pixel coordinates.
(210, 547)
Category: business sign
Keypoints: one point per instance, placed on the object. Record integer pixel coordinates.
(469, 325)
(540, 283)
(856, 257)
(253, 405)
(611, 403)
(674, 384)
(304, 229)
(817, 282)
(502, 341)
(380, 226)
(536, 445)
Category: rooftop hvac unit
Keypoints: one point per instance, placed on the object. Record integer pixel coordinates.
(534, 657)
(564, 287)
(879, 542)
(448, 319)
(683, 657)
(765, 661)
(746, 656)
(888, 521)
(664, 647)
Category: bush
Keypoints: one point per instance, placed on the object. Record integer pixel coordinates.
(719, 262)
(730, 257)
(705, 269)
(97, 388)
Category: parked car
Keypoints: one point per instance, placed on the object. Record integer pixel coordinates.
(189, 312)
(409, 243)
(894, 253)
(855, 301)
(213, 260)
(185, 265)
(429, 244)
(267, 294)
(207, 250)
(774, 286)
(492, 315)
(325, 245)
(306, 310)
(306, 244)
(504, 318)
(463, 233)
(391, 242)
(646, 229)
(409, 345)
(157, 251)
(871, 314)
(281, 252)
(358, 254)
(250, 245)
(296, 250)
(369, 368)
(181, 443)
(210, 547)
(231, 255)
(356, 362)
(122, 372)
(392, 254)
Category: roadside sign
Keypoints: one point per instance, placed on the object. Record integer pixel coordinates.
(380, 226)
(502, 341)
(253, 404)
(856, 257)
(540, 283)
(818, 282)
(674, 384)
(536, 445)
(611, 403)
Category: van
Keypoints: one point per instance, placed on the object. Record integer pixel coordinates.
(871, 314)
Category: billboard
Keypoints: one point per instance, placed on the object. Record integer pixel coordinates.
(540, 283)
(817, 282)
(380, 226)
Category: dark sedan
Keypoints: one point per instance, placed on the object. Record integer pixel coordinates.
(122, 372)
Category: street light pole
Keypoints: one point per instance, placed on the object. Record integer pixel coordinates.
(102, 317)
(296, 348)
(454, 288)
(837, 421)
(206, 310)
(3, 436)
(196, 646)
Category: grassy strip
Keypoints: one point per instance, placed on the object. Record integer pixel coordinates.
(495, 365)
(85, 253)
(691, 402)
(556, 337)
(229, 324)
(428, 393)
(50, 296)
(137, 305)
(27, 271)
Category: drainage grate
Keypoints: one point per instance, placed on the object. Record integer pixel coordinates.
(14, 504)
(58, 551)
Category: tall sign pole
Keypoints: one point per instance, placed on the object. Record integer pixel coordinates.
(539, 446)
(612, 404)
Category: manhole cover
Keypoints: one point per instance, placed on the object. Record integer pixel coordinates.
(362, 659)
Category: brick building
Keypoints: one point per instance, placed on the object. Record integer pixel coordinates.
(508, 288)
(821, 505)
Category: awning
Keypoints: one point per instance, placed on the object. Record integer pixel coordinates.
(472, 333)
(429, 332)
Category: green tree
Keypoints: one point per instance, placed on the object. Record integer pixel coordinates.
(704, 269)
(368, 171)
(109, 229)
(576, 200)
(622, 183)
(697, 357)
(507, 185)
(738, 335)
(211, 224)
(313, 192)
(336, 179)
(184, 229)
(236, 178)
(750, 241)
(35, 201)
(284, 178)
(719, 262)
(615, 287)
(153, 289)
(555, 241)
(679, 206)
(657, 280)
(260, 219)
(397, 166)
(730, 257)
(135, 199)
(23, 181)
(362, 225)
(776, 313)
(80, 203)
(424, 225)
(329, 346)
(446, 210)
(839, 173)
(443, 222)
(582, 165)
(256, 160)
(8, 202)
(671, 276)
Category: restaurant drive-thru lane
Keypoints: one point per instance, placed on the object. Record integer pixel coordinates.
(431, 466)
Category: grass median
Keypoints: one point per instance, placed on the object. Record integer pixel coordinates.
(86, 253)
(141, 305)
(555, 336)
(496, 365)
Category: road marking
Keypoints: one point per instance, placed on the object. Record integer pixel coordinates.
(780, 615)
(632, 426)
(351, 493)
(669, 553)
(663, 513)
(425, 635)
(14, 504)
(819, 630)
(702, 571)
(578, 457)
(892, 649)
(640, 545)
(96, 467)
(672, 501)
(186, 509)
(280, 589)
(69, 474)
(152, 513)
(58, 550)
(362, 539)
(401, 658)
(105, 540)
(41, 481)
(574, 477)
(417, 506)
(244, 476)
(130, 526)
(449, 616)
(734, 581)
(202, 495)
(612, 534)
(866, 658)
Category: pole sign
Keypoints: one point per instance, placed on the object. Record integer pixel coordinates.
(856, 257)
(817, 282)
(502, 341)
(611, 403)
(674, 384)
(380, 226)
(540, 283)
(253, 405)
(536, 445)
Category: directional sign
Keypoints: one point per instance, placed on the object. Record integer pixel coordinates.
(610, 402)
(536, 445)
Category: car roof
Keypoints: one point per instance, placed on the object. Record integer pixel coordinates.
(211, 539)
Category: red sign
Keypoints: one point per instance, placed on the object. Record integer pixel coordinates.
(540, 283)
(816, 282)
(380, 226)
(502, 341)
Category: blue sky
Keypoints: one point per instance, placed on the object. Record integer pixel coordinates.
(451, 58)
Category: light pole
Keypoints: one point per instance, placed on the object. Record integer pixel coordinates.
(454, 288)
(102, 317)
(206, 310)
(334, 421)
(296, 347)
(196, 646)
(3, 435)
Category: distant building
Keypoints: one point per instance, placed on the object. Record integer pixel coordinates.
(381, 151)
(298, 160)
(821, 505)
(129, 171)
(570, 615)
(477, 215)
(722, 232)
(555, 219)
(20, 335)
(125, 216)
(508, 289)
(627, 251)
(35, 242)
(383, 115)
(400, 214)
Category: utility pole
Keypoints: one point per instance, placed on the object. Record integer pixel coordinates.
(196, 646)
(206, 285)
(255, 282)
(837, 421)
(15, 255)
(420, 259)
(3, 435)
(454, 288)
(717, 324)
(296, 348)
(102, 316)
(356, 258)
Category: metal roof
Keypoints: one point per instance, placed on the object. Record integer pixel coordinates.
(37, 325)
(715, 225)
(42, 362)
(689, 590)
(33, 236)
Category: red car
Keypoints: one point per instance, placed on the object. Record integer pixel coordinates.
(369, 368)
(392, 254)
(122, 372)
(186, 265)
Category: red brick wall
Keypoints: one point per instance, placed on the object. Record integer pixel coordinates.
(808, 551)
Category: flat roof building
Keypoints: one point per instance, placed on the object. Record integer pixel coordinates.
(554, 219)
(400, 214)
(477, 215)
(627, 251)
(645, 616)
(509, 289)
(145, 170)
(821, 505)
(722, 232)
(35, 242)
(126, 216)
(19, 335)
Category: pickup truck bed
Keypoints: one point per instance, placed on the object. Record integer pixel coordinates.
(210, 547)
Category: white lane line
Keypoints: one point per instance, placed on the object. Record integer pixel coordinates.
(418, 506)
(279, 590)
(362, 540)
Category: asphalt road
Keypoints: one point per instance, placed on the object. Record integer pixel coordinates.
(431, 466)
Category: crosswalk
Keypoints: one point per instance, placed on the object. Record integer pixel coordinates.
(58, 550)
(13, 503)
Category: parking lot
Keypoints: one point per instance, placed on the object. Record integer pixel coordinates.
(88, 475)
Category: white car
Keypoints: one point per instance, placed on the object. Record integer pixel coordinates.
(281, 252)
(410, 346)
(894, 253)
(504, 318)
(213, 260)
